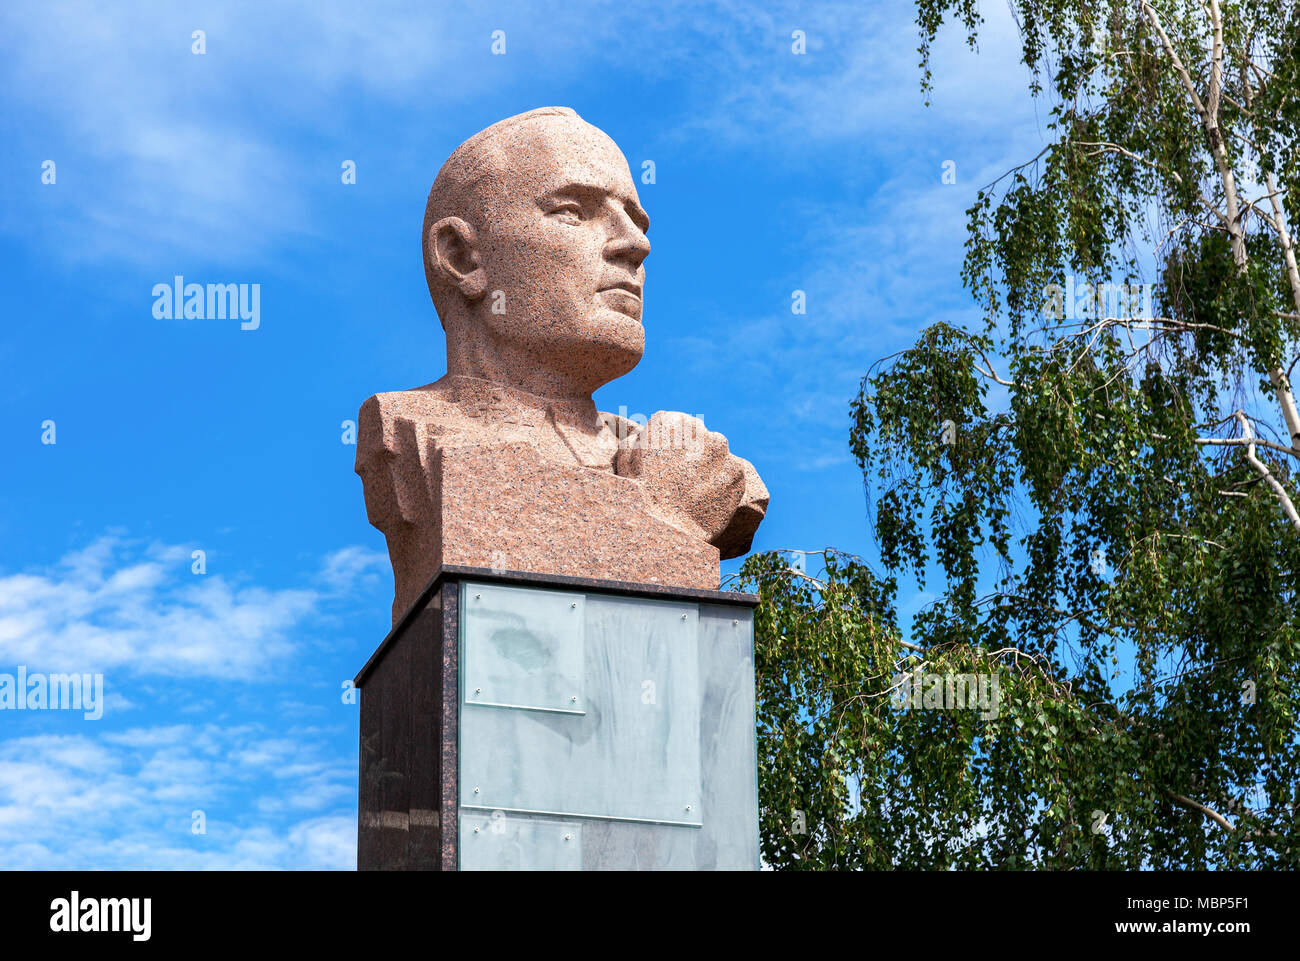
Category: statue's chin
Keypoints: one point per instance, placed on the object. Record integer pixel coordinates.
(600, 362)
(618, 347)
(607, 346)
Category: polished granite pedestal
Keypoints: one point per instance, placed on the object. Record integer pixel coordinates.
(536, 722)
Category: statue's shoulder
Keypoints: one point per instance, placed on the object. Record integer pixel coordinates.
(431, 402)
(387, 420)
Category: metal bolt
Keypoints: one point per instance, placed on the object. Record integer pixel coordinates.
(568, 837)
(574, 698)
(683, 617)
(478, 597)
(734, 623)
(574, 604)
(476, 830)
(688, 807)
(476, 790)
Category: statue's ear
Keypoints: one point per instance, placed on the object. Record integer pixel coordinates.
(453, 251)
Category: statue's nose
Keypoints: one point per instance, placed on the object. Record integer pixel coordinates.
(628, 245)
(627, 242)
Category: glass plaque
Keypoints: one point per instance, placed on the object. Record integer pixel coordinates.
(625, 723)
(523, 648)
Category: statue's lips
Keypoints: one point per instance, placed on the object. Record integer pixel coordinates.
(625, 298)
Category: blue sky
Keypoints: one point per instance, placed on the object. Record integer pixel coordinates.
(775, 172)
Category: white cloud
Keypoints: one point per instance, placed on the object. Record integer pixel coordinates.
(114, 606)
(351, 567)
(857, 83)
(125, 800)
(101, 610)
(163, 151)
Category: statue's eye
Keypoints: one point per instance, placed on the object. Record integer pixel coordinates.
(569, 212)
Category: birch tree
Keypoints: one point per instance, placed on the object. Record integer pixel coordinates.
(1098, 482)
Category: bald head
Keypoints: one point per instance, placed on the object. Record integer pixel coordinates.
(533, 241)
(458, 188)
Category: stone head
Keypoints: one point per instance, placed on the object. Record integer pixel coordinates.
(534, 241)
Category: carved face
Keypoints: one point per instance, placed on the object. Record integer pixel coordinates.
(563, 240)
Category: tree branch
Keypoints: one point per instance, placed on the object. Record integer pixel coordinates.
(1214, 816)
(1107, 147)
(1173, 55)
(1240, 441)
(1280, 491)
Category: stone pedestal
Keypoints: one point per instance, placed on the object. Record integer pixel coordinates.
(528, 721)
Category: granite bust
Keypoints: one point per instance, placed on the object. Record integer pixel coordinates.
(534, 245)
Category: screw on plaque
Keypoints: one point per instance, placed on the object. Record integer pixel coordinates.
(476, 790)
(478, 597)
